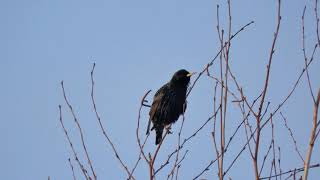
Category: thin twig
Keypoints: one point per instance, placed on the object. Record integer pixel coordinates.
(229, 91)
(317, 21)
(312, 136)
(305, 56)
(204, 170)
(271, 168)
(220, 159)
(258, 118)
(178, 145)
(80, 131)
(185, 141)
(246, 124)
(279, 159)
(75, 155)
(265, 112)
(201, 127)
(293, 88)
(183, 157)
(265, 157)
(242, 122)
(223, 126)
(100, 123)
(285, 99)
(215, 122)
(71, 166)
(234, 160)
(212, 61)
(178, 166)
(292, 137)
(139, 158)
(273, 148)
(153, 158)
(297, 170)
(138, 138)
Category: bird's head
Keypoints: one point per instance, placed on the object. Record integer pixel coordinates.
(181, 78)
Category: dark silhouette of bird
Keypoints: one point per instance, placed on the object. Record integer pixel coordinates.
(169, 103)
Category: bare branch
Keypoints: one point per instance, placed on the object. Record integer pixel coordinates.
(212, 61)
(264, 92)
(100, 123)
(317, 21)
(296, 170)
(138, 138)
(273, 149)
(304, 54)
(153, 158)
(185, 141)
(292, 137)
(279, 159)
(265, 157)
(75, 155)
(205, 169)
(312, 137)
(80, 131)
(178, 145)
(293, 88)
(71, 166)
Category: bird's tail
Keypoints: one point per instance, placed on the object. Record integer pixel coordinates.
(158, 135)
(148, 128)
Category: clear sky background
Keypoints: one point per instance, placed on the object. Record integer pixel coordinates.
(137, 46)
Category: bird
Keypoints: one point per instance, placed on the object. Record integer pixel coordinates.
(169, 102)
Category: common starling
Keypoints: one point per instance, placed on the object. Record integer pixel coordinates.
(169, 103)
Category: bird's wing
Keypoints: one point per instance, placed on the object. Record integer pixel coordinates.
(157, 98)
(156, 102)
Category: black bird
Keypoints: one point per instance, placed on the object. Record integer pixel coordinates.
(169, 103)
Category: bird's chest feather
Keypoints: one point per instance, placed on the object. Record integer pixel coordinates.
(175, 105)
(167, 105)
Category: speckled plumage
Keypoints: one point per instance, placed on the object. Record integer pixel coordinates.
(168, 103)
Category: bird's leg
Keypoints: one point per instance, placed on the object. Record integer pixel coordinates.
(168, 128)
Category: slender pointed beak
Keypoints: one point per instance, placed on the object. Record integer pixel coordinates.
(190, 74)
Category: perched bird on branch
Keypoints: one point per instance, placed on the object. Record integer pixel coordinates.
(169, 103)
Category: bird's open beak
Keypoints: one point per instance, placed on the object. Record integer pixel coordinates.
(190, 74)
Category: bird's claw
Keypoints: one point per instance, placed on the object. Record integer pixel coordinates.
(168, 128)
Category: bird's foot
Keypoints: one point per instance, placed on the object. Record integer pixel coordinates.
(168, 128)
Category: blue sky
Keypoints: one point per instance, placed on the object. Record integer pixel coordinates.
(137, 46)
